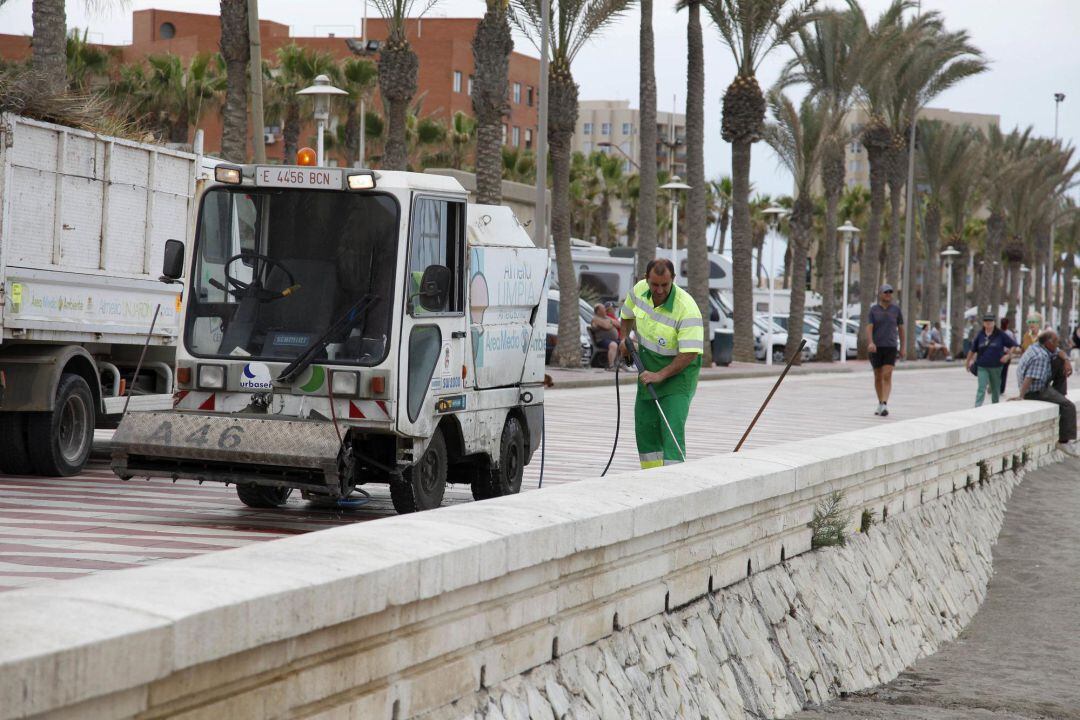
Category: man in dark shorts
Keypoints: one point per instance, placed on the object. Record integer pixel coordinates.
(885, 337)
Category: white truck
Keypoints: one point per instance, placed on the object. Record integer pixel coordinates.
(83, 224)
(343, 327)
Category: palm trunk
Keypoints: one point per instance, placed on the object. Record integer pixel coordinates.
(697, 251)
(741, 251)
(1037, 285)
(932, 274)
(959, 304)
(870, 264)
(562, 117)
(647, 198)
(801, 218)
(832, 173)
(398, 66)
(491, 56)
(1065, 326)
(49, 45)
(787, 265)
(291, 134)
(1013, 294)
(235, 51)
(725, 218)
(893, 250)
(986, 294)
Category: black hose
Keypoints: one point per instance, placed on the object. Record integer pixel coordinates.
(543, 444)
(618, 418)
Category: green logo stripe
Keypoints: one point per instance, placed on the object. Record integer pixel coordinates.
(318, 377)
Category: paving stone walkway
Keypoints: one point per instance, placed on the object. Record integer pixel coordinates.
(1019, 659)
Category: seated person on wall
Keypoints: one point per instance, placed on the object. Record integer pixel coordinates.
(1036, 383)
(606, 332)
(930, 340)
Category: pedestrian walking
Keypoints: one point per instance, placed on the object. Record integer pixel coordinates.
(987, 359)
(885, 338)
(671, 341)
(1035, 374)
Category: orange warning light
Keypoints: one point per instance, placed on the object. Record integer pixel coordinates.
(305, 156)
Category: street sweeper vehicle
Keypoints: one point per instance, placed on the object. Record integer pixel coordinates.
(342, 327)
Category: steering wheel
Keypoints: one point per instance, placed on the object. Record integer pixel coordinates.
(261, 265)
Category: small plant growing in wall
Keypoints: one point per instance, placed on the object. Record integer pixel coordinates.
(868, 519)
(829, 521)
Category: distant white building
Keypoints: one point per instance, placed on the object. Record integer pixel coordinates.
(612, 126)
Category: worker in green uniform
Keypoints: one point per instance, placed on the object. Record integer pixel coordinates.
(670, 336)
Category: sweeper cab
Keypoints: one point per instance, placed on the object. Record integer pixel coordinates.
(342, 327)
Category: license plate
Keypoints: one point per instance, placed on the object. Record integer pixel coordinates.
(299, 177)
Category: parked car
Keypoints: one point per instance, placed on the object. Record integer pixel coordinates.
(585, 316)
(851, 339)
(779, 341)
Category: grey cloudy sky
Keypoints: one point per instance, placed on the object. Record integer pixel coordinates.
(1032, 46)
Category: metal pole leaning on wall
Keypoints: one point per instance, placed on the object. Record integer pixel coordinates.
(772, 392)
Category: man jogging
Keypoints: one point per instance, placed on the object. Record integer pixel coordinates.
(670, 342)
(885, 340)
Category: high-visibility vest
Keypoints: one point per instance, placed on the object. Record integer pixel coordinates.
(666, 331)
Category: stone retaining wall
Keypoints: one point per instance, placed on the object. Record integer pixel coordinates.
(832, 621)
(400, 617)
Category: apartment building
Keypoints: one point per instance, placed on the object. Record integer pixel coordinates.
(612, 126)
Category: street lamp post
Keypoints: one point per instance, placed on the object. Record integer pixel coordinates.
(674, 186)
(1072, 311)
(1024, 270)
(321, 91)
(772, 215)
(847, 231)
(1049, 308)
(949, 253)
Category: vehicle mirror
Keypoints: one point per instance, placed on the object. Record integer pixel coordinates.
(434, 288)
(172, 266)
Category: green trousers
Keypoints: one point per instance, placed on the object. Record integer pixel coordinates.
(654, 444)
(992, 376)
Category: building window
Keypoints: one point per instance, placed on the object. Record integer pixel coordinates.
(470, 84)
(515, 137)
(855, 148)
(504, 134)
(528, 138)
(457, 81)
(167, 31)
(587, 129)
(605, 128)
(586, 147)
(627, 129)
(529, 96)
(517, 93)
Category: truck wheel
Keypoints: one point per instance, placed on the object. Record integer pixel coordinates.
(505, 479)
(14, 459)
(59, 441)
(257, 496)
(423, 485)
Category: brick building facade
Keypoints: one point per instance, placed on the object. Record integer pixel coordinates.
(443, 46)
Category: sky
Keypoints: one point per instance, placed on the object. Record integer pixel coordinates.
(1032, 48)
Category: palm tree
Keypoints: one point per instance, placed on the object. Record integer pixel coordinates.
(799, 138)
(1002, 162)
(574, 23)
(297, 68)
(519, 165)
(49, 45)
(491, 57)
(958, 200)
(174, 96)
(829, 56)
(630, 196)
(646, 222)
(359, 77)
(87, 65)
(697, 246)
(235, 51)
(751, 29)
(944, 157)
(721, 192)
(608, 176)
(398, 67)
